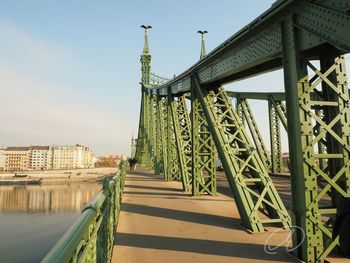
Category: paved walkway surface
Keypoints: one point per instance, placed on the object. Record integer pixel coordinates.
(160, 223)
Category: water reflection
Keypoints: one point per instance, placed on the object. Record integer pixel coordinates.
(47, 198)
(33, 218)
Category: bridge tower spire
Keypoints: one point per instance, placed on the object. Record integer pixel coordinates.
(145, 58)
(203, 53)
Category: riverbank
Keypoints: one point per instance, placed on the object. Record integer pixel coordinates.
(64, 176)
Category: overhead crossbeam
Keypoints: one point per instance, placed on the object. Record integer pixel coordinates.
(257, 48)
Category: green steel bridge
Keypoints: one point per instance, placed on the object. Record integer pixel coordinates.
(188, 122)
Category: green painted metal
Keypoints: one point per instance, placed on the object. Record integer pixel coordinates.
(275, 140)
(280, 110)
(91, 237)
(146, 59)
(255, 133)
(239, 109)
(287, 36)
(152, 131)
(203, 52)
(203, 152)
(250, 183)
(133, 146)
(142, 154)
(140, 146)
(162, 136)
(314, 185)
(278, 96)
(158, 148)
(182, 129)
(173, 165)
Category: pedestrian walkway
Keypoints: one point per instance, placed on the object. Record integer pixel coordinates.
(160, 223)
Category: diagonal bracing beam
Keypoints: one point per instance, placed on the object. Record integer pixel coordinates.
(256, 135)
(251, 186)
(182, 129)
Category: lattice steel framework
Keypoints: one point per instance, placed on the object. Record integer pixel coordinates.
(182, 129)
(157, 139)
(203, 152)
(163, 135)
(317, 191)
(173, 164)
(255, 132)
(289, 35)
(275, 140)
(251, 185)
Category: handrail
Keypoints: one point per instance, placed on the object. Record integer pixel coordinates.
(91, 237)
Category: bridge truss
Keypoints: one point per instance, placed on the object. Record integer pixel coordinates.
(308, 40)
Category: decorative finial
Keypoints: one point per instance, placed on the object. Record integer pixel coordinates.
(203, 53)
(145, 47)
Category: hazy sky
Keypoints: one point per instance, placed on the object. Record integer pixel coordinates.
(70, 70)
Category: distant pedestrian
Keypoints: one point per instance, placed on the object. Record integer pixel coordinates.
(134, 161)
(130, 161)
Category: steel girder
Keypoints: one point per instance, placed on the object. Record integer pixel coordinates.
(144, 144)
(150, 131)
(317, 190)
(182, 129)
(280, 110)
(275, 140)
(251, 186)
(140, 146)
(173, 165)
(158, 142)
(162, 136)
(203, 152)
(239, 109)
(256, 135)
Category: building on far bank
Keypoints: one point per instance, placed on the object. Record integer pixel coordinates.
(46, 158)
(2, 159)
(16, 158)
(71, 157)
(39, 158)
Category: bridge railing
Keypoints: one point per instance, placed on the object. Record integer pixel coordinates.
(91, 237)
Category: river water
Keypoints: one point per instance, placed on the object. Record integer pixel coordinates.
(33, 218)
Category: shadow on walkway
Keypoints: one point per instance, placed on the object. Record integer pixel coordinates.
(209, 247)
(200, 218)
(153, 188)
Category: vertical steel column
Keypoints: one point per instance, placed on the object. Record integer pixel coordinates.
(316, 192)
(173, 165)
(251, 186)
(182, 130)
(256, 135)
(280, 110)
(149, 130)
(275, 140)
(158, 153)
(141, 136)
(239, 109)
(203, 152)
(162, 109)
(147, 143)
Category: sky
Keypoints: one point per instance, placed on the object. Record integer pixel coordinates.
(70, 70)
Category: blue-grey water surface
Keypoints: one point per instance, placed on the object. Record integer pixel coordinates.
(33, 218)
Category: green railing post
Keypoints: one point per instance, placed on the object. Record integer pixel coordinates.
(91, 237)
